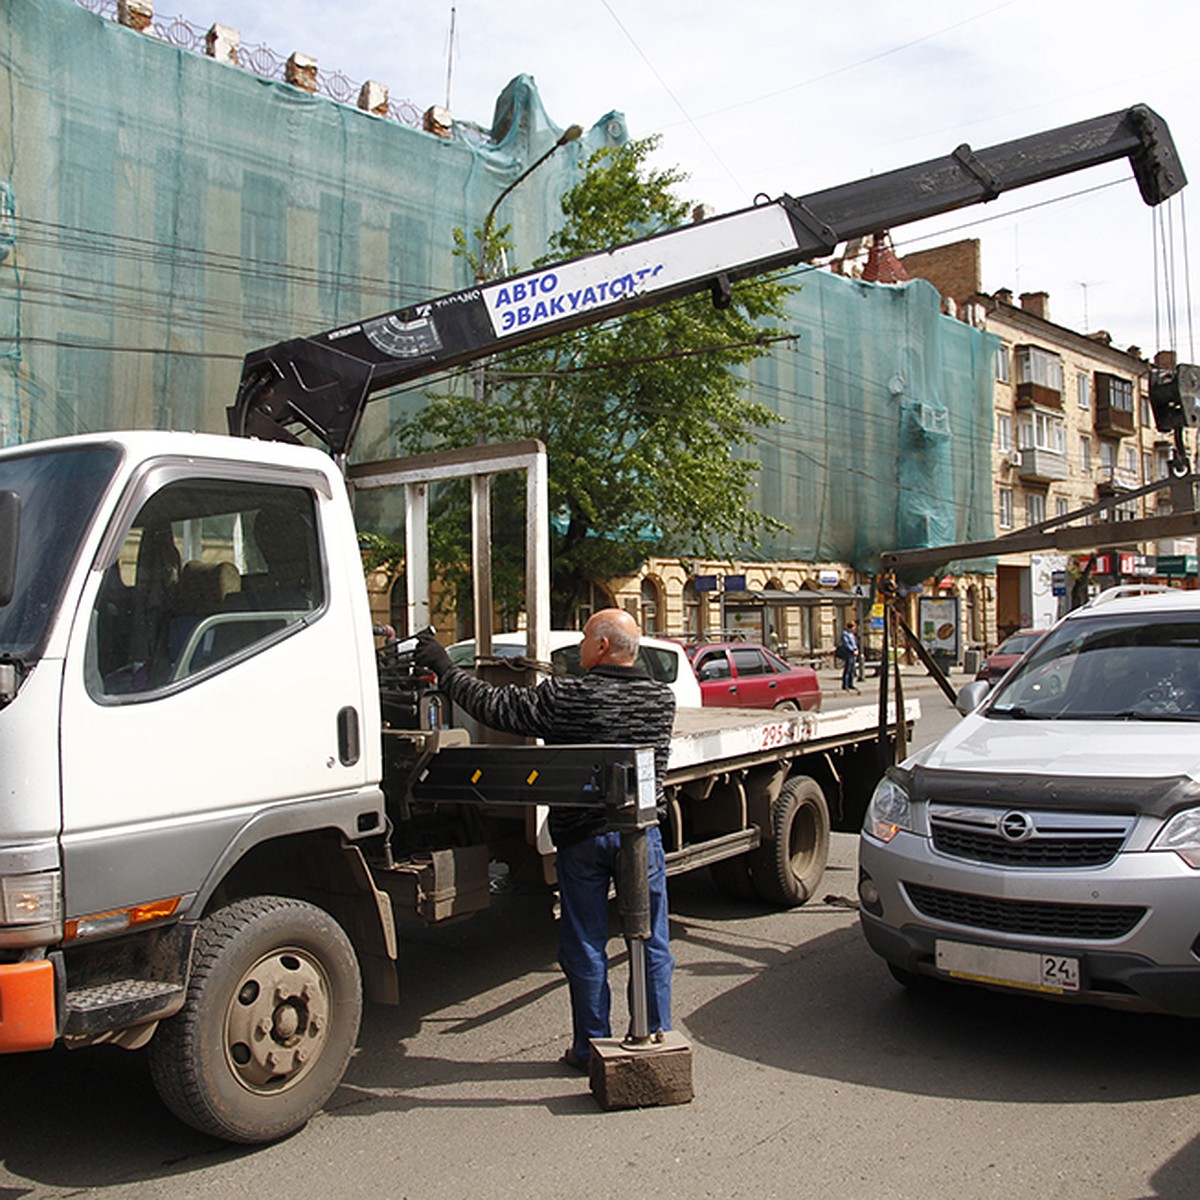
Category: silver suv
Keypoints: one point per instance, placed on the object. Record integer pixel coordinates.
(1051, 841)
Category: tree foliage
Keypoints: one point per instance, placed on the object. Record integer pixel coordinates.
(643, 416)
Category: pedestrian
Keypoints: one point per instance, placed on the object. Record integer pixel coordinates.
(847, 651)
(613, 701)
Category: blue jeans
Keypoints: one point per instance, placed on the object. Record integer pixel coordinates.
(584, 871)
(848, 665)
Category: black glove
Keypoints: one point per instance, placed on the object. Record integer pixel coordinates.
(430, 655)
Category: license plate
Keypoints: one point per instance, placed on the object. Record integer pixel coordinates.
(1054, 973)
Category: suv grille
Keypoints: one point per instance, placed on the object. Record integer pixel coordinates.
(1086, 922)
(1038, 852)
(1029, 838)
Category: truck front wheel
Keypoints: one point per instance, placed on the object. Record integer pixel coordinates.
(271, 1019)
(787, 867)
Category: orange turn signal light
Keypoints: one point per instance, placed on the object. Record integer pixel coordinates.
(120, 919)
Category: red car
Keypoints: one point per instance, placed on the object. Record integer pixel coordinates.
(998, 662)
(743, 675)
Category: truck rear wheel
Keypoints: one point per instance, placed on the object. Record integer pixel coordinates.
(787, 869)
(271, 1019)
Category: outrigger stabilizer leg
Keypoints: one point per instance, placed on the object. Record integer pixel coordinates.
(646, 1068)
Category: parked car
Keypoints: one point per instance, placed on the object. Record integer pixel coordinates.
(1050, 842)
(1005, 656)
(659, 658)
(745, 675)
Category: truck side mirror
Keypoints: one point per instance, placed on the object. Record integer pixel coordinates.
(10, 515)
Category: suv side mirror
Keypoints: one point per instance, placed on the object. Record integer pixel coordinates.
(972, 696)
(10, 518)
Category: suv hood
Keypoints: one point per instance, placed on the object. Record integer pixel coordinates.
(1089, 749)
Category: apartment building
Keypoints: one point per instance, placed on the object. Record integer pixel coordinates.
(1073, 428)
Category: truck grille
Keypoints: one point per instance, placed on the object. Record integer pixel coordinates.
(1085, 922)
(1039, 852)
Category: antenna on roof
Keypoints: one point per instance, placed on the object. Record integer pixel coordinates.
(450, 60)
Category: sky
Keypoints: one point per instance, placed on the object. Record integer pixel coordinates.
(767, 96)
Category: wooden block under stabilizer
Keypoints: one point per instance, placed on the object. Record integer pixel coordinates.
(641, 1077)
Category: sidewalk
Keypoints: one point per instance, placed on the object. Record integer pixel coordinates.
(915, 680)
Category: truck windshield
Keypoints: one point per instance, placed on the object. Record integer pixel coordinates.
(58, 491)
(1109, 669)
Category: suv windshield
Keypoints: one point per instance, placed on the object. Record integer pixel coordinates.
(58, 491)
(1116, 668)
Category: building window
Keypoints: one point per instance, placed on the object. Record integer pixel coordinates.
(1131, 460)
(1004, 439)
(1116, 393)
(1108, 456)
(1083, 389)
(694, 622)
(1006, 508)
(650, 607)
(1038, 366)
(1041, 430)
(1085, 453)
(1035, 508)
(1060, 507)
(1003, 374)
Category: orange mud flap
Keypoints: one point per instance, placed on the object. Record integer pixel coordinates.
(27, 1006)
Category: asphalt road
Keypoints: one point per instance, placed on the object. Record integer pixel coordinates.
(815, 1074)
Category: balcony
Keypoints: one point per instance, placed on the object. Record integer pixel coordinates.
(1030, 395)
(1042, 466)
(1110, 480)
(1114, 405)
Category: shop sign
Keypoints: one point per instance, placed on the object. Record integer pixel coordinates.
(1177, 564)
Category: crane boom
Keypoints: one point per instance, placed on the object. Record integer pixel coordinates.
(323, 383)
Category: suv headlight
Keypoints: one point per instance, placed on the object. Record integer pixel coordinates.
(1182, 834)
(890, 809)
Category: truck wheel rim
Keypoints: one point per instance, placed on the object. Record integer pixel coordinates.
(277, 1022)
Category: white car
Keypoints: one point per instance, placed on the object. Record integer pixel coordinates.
(659, 658)
(1051, 841)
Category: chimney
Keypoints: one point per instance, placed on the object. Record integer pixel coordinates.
(1004, 296)
(703, 212)
(301, 71)
(373, 97)
(1037, 304)
(1165, 360)
(882, 264)
(136, 14)
(438, 121)
(221, 42)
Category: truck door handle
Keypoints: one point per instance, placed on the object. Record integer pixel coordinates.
(347, 736)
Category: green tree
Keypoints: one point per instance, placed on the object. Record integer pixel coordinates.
(643, 416)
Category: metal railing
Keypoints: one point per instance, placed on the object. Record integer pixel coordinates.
(260, 60)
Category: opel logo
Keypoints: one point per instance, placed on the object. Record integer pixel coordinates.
(1016, 826)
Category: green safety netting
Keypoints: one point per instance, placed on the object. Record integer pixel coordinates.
(162, 214)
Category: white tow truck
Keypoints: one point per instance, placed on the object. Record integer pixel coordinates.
(219, 788)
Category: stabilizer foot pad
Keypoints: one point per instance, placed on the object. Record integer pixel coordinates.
(637, 1077)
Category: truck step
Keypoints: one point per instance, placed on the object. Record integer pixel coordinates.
(119, 1003)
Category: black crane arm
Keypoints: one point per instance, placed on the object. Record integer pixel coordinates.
(323, 383)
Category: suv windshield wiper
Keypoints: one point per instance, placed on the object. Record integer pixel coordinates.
(1136, 714)
(1020, 713)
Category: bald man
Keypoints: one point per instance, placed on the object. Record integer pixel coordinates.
(613, 701)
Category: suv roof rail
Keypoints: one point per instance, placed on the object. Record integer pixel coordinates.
(1124, 590)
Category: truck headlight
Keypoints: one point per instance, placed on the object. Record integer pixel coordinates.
(890, 809)
(1182, 834)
